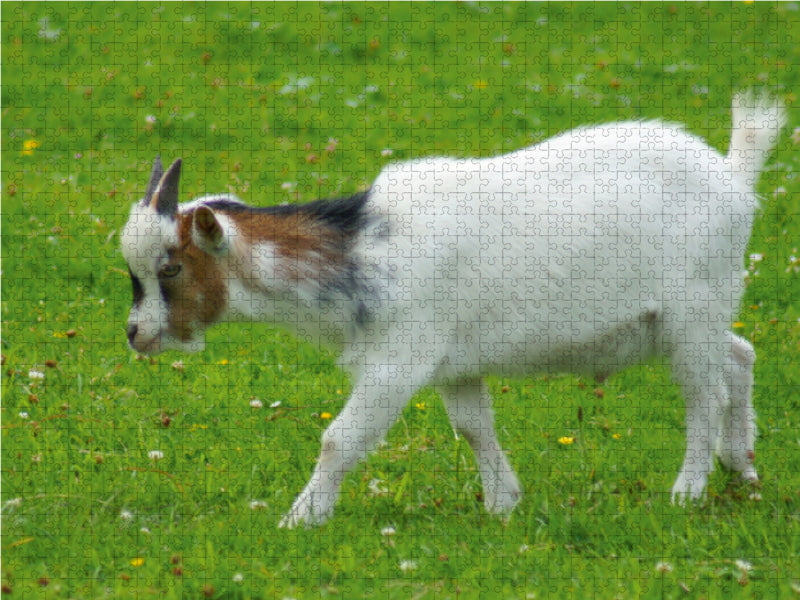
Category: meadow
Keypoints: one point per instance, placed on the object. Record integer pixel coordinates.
(130, 477)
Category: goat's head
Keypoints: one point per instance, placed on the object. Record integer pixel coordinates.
(178, 286)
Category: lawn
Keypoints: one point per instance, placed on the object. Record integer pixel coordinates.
(130, 477)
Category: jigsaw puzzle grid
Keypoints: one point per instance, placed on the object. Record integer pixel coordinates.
(124, 473)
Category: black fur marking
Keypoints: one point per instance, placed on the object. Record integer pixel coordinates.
(166, 293)
(346, 215)
(138, 290)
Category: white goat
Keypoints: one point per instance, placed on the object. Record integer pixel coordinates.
(589, 252)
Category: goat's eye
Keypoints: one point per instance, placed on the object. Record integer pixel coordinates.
(169, 270)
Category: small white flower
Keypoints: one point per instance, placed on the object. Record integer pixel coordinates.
(238, 578)
(256, 403)
(126, 515)
(33, 374)
(756, 257)
(375, 487)
(387, 152)
(155, 455)
(743, 565)
(150, 119)
(523, 549)
(388, 531)
(257, 505)
(663, 567)
(145, 530)
(24, 415)
(13, 503)
(275, 404)
(408, 565)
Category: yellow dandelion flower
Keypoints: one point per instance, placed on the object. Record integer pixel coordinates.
(28, 146)
(325, 415)
(617, 436)
(566, 440)
(480, 84)
(738, 325)
(420, 405)
(137, 562)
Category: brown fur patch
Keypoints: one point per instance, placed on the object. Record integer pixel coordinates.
(308, 247)
(293, 235)
(197, 294)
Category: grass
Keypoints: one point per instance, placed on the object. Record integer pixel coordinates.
(129, 477)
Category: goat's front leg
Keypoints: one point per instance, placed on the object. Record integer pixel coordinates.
(377, 400)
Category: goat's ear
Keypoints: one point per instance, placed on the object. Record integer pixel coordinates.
(207, 232)
(155, 177)
(165, 198)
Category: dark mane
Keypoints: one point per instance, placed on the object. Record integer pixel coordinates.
(346, 215)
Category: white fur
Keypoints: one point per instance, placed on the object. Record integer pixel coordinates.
(587, 253)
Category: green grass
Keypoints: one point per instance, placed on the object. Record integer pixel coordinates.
(291, 102)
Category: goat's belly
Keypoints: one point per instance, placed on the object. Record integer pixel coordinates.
(527, 348)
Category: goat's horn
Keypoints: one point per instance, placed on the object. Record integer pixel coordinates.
(155, 176)
(165, 198)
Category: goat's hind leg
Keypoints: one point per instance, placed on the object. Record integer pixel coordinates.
(698, 366)
(736, 441)
(469, 407)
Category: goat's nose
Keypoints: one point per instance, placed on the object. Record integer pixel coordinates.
(132, 329)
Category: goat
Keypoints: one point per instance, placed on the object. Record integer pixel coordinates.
(589, 252)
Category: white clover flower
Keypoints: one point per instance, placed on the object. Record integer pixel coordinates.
(126, 515)
(34, 374)
(155, 455)
(663, 567)
(388, 531)
(237, 578)
(257, 505)
(376, 488)
(743, 565)
(256, 403)
(13, 503)
(408, 565)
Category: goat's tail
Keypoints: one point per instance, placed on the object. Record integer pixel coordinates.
(757, 122)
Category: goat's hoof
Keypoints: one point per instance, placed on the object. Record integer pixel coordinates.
(305, 512)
